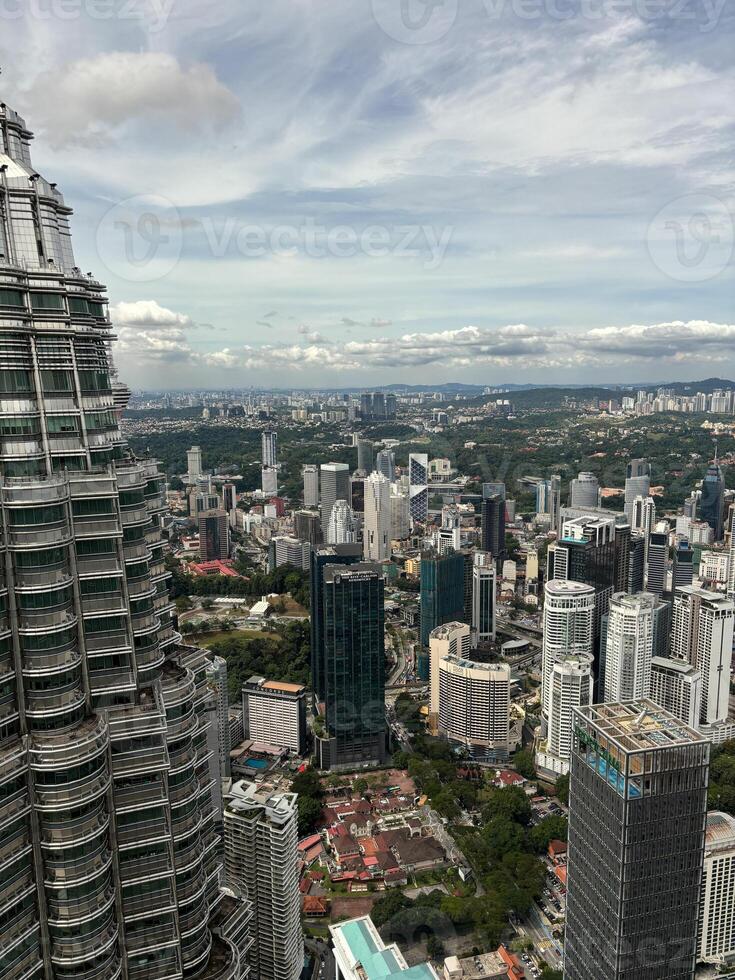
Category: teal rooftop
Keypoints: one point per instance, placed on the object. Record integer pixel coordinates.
(361, 954)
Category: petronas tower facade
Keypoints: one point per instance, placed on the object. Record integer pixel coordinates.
(108, 857)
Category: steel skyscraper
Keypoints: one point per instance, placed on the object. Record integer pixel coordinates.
(109, 856)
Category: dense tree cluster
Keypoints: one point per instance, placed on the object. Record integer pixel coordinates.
(722, 779)
(284, 656)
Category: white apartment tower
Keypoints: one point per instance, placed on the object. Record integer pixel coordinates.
(629, 646)
(342, 527)
(261, 861)
(570, 687)
(474, 705)
(702, 635)
(269, 442)
(677, 687)
(569, 608)
(311, 486)
(716, 940)
(194, 463)
(584, 491)
(377, 521)
(449, 640)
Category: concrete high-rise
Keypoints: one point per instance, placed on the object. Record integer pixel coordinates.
(628, 646)
(261, 859)
(385, 463)
(194, 463)
(584, 491)
(269, 447)
(702, 635)
(418, 486)
(483, 598)
(567, 627)
(657, 559)
(214, 535)
(307, 526)
(311, 486)
(109, 862)
(342, 527)
(400, 516)
(335, 485)
(637, 484)
(677, 687)
(570, 687)
(365, 456)
(637, 818)
(377, 522)
(492, 526)
(716, 940)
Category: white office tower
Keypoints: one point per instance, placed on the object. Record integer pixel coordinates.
(418, 486)
(548, 501)
(269, 481)
(334, 485)
(216, 669)
(474, 705)
(269, 456)
(449, 640)
(701, 635)
(342, 527)
(716, 938)
(376, 534)
(584, 491)
(261, 861)
(657, 560)
(449, 535)
(677, 687)
(400, 515)
(385, 463)
(643, 514)
(731, 555)
(569, 609)
(629, 646)
(570, 687)
(483, 598)
(194, 463)
(311, 486)
(637, 484)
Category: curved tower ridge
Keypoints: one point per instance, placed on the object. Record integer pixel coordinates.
(108, 850)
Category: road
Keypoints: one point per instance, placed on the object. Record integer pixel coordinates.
(324, 965)
(538, 928)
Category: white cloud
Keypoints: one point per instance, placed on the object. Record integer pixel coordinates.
(89, 99)
(147, 313)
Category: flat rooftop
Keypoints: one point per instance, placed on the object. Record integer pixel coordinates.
(639, 726)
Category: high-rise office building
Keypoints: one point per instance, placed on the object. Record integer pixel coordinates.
(274, 712)
(344, 554)
(335, 485)
(447, 640)
(229, 497)
(269, 480)
(418, 486)
(109, 863)
(376, 535)
(637, 817)
(677, 687)
(702, 635)
(353, 623)
(584, 491)
(628, 646)
(269, 454)
(711, 506)
(385, 463)
(483, 598)
(567, 627)
(657, 559)
(311, 486)
(400, 516)
(365, 456)
(637, 484)
(474, 705)
(194, 463)
(442, 591)
(570, 687)
(492, 528)
(285, 550)
(261, 859)
(636, 563)
(214, 535)
(682, 571)
(307, 526)
(548, 501)
(343, 526)
(716, 939)
(643, 514)
(216, 669)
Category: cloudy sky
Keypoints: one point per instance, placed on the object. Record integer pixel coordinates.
(324, 192)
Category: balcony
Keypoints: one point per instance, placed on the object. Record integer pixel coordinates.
(143, 832)
(41, 620)
(109, 528)
(69, 911)
(72, 794)
(60, 834)
(113, 602)
(145, 868)
(62, 874)
(38, 535)
(129, 798)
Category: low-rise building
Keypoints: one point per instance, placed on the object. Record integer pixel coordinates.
(361, 954)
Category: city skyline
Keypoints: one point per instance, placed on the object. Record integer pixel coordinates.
(562, 185)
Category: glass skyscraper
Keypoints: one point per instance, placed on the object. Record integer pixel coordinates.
(442, 595)
(711, 503)
(637, 818)
(108, 860)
